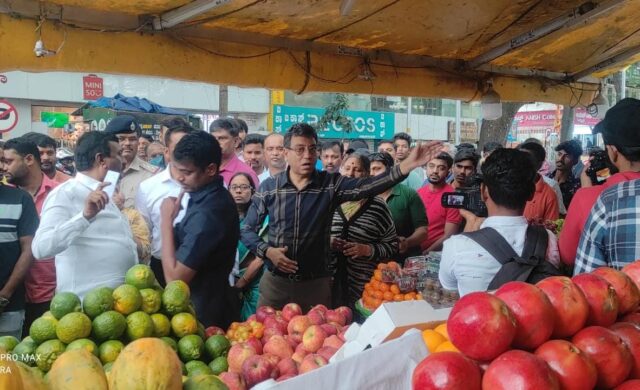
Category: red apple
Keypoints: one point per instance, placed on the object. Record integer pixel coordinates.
(602, 298)
(291, 341)
(633, 271)
(481, 326)
(263, 312)
(257, 369)
(569, 305)
(317, 317)
(213, 330)
(271, 358)
(633, 384)
(333, 341)
(335, 318)
(278, 346)
(311, 362)
(288, 366)
(342, 333)
(574, 369)
(609, 353)
(630, 334)
(626, 290)
(299, 356)
(270, 332)
(330, 329)
(446, 371)
(297, 326)
(276, 322)
(327, 352)
(233, 380)
(291, 310)
(320, 307)
(238, 354)
(633, 318)
(346, 312)
(533, 311)
(521, 370)
(285, 377)
(313, 338)
(256, 344)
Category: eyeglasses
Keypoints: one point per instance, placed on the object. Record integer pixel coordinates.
(299, 150)
(241, 187)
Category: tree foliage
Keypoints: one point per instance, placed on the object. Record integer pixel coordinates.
(336, 112)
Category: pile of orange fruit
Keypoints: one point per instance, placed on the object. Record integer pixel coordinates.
(437, 339)
(376, 291)
(242, 331)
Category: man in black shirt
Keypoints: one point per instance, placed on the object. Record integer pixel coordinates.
(300, 203)
(18, 224)
(201, 249)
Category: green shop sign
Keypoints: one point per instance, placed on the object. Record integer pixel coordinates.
(366, 124)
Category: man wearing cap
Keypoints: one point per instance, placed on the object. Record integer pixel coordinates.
(135, 170)
(611, 210)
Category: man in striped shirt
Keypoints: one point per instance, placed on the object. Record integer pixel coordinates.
(18, 224)
(300, 203)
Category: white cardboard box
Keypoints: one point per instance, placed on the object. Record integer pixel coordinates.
(387, 366)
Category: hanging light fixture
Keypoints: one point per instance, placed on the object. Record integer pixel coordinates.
(491, 103)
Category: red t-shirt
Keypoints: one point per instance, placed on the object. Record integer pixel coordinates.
(544, 204)
(40, 282)
(234, 166)
(578, 214)
(437, 216)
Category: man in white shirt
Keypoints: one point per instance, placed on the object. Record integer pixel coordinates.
(89, 237)
(273, 156)
(154, 190)
(508, 183)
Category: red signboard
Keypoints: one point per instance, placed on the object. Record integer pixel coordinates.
(92, 87)
(546, 118)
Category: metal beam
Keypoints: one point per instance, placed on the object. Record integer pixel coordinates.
(625, 55)
(583, 14)
(186, 12)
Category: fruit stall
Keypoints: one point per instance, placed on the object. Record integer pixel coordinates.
(561, 333)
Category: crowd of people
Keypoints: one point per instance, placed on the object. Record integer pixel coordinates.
(249, 220)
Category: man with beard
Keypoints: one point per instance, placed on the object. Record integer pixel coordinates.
(273, 156)
(567, 157)
(443, 222)
(47, 148)
(135, 171)
(22, 169)
(331, 156)
(89, 237)
(465, 164)
(253, 154)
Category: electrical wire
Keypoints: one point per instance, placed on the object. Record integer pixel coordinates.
(207, 50)
(307, 71)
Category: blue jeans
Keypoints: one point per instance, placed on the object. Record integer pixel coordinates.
(11, 323)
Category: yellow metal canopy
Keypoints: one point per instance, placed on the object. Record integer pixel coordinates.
(532, 50)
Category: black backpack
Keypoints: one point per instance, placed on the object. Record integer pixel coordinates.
(531, 267)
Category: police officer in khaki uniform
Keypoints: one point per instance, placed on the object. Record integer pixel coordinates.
(135, 170)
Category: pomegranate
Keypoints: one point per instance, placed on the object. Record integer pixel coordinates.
(574, 369)
(569, 305)
(633, 384)
(609, 353)
(533, 311)
(633, 318)
(602, 298)
(446, 371)
(520, 370)
(633, 271)
(626, 290)
(481, 326)
(630, 334)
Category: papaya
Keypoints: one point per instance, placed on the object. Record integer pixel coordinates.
(32, 378)
(146, 364)
(77, 369)
(10, 377)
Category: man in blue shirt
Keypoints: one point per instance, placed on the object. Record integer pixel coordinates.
(201, 249)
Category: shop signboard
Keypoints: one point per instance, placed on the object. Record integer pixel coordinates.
(92, 87)
(366, 124)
